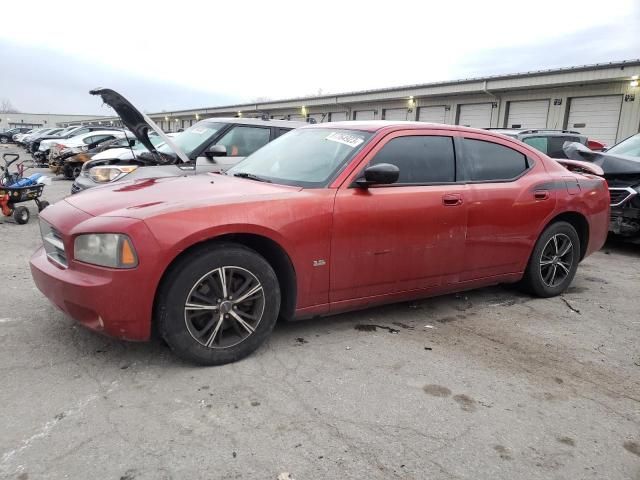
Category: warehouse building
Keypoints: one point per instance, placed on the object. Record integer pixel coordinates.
(37, 120)
(601, 101)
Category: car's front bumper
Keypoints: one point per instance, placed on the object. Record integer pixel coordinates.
(116, 302)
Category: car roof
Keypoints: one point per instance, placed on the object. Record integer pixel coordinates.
(257, 121)
(377, 125)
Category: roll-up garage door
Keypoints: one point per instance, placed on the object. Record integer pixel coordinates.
(365, 115)
(528, 114)
(337, 116)
(432, 114)
(395, 114)
(596, 117)
(476, 115)
(298, 118)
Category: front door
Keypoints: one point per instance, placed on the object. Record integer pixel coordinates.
(405, 236)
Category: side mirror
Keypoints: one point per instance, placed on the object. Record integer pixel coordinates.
(380, 174)
(132, 142)
(215, 151)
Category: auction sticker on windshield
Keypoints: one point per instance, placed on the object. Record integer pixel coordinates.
(345, 138)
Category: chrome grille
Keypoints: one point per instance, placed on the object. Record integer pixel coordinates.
(53, 245)
(619, 195)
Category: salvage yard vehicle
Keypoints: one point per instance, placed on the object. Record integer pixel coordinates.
(325, 219)
(620, 165)
(211, 145)
(43, 153)
(83, 141)
(70, 160)
(548, 141)
(7, 135)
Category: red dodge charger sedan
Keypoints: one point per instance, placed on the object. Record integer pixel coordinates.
(327, 218)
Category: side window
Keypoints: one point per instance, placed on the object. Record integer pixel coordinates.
(243, 141)
(487, 161)
(89, 140)
(421, 159)
(539, 143)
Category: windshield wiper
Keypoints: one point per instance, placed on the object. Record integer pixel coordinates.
(251, 176)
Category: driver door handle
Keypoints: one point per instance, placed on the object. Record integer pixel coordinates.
(452, 199)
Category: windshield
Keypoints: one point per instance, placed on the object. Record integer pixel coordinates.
(630, 146)
(192, 138)
(305, 157)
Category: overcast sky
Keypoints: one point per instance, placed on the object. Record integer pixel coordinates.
(182, 54)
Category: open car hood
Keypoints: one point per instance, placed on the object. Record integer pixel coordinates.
(609, 163)
(138, 123)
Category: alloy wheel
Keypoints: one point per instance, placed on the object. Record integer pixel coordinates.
(224, 307)
(556, 260)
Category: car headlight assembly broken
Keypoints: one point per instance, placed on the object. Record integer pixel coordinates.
(110, 173)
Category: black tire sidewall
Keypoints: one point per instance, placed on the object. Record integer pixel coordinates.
(21, 215)
(180, 280)
(533, 275)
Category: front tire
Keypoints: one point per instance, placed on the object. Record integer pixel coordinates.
(218, 304)
(21, 215)
(554, 261)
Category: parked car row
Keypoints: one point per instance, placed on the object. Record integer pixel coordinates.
(323, 219)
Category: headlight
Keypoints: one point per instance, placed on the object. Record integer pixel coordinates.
(110, 173)
(106, 250)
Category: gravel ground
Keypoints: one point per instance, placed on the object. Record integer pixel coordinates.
(488, 384)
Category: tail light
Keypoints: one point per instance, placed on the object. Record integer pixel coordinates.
(595, 145)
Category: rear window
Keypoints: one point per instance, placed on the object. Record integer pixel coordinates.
(488, 161)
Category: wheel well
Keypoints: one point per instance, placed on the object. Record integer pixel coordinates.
(272, 253)
(579, 222)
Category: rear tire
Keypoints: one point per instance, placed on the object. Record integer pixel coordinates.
(553, 262)
(42, 205)
(196, 312)
(21, 215)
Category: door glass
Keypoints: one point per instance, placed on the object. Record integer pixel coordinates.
(490, 161)
(420, 159)
(539, 143)
(243, 141)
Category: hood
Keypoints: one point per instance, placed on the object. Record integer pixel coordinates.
(144, 198)
(609, 163)
(138, 123)
(119, 153)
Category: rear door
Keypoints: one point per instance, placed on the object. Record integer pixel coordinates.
(404, 236)
(509, 197)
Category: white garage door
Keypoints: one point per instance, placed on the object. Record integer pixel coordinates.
(395, 114)
(365, 115)
(337, 116)
(298, 118)
(432, 114)
(596, 117)
(530, 114)
(476, 115)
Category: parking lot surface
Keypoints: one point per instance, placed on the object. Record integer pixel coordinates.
(487, 384)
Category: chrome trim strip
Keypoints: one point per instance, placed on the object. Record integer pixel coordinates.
(630, 191)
